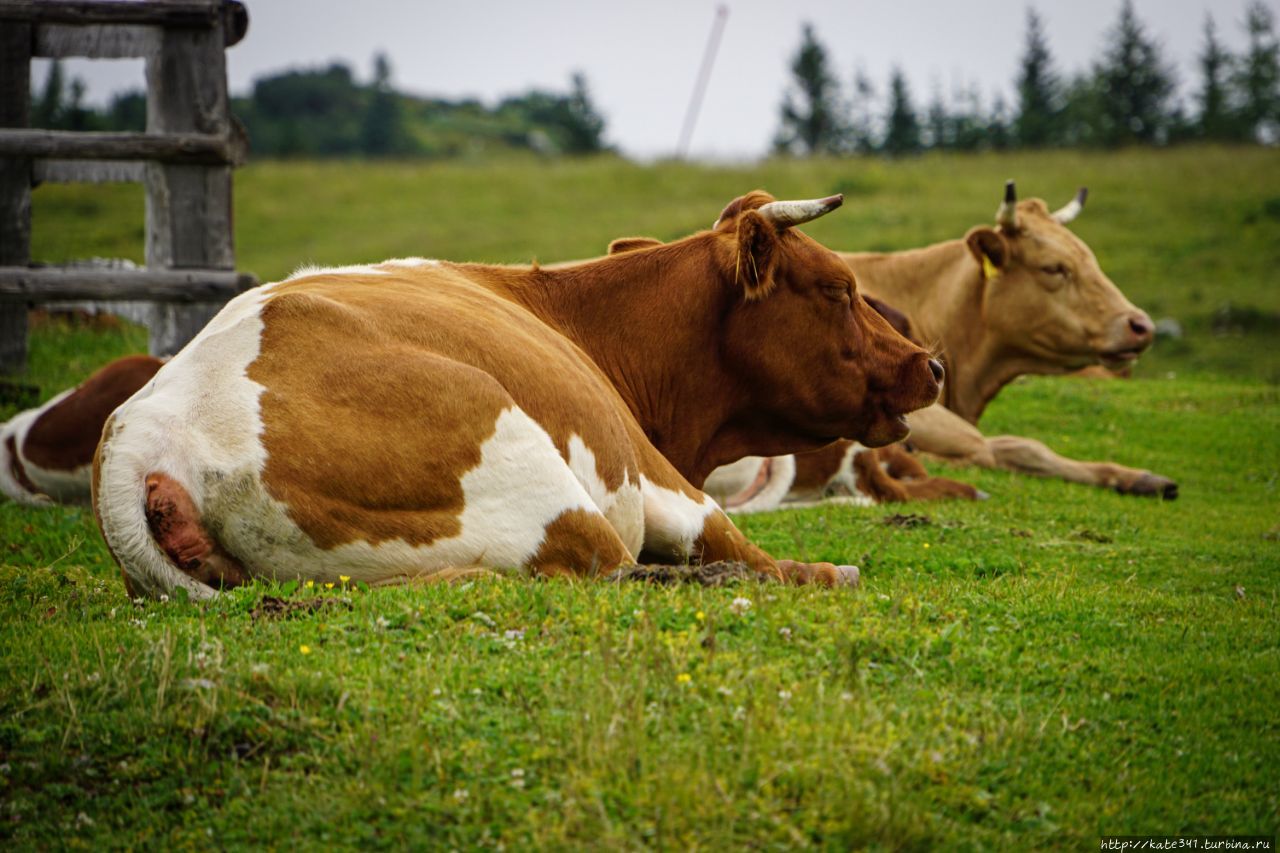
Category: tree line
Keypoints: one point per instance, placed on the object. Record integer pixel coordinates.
(1127, 96)
(326, 112)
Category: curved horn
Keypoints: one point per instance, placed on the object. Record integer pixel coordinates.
(1007, 215)
(784, 214)
(1072, 208)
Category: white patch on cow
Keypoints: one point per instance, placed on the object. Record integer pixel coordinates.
(308, 270)
(410, 262)
(624, 508)
(847, 477)
(672, 520)
(195, 421)
(731, 480)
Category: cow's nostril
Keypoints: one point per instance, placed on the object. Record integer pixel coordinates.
(1141, 325)
(936, 368)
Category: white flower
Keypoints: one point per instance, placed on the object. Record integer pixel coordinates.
(784, 695)
(846, 696)
(461, 794)
(740, 606)
(784, 632)
(724, 691)
(512, 635)
(382, 622)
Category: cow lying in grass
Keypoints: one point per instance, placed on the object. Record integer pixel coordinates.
(46, 452)
(416, 418)
(1026, 296)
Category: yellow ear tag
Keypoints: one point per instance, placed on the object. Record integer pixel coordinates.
(989, 270)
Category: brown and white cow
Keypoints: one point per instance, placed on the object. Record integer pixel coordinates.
(419, 417)
(1026, 296)
(46, 452)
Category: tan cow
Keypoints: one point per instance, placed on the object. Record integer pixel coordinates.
(46, 452)
(1026, 296)
(418, 417)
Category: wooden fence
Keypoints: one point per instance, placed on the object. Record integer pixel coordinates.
(185, 158)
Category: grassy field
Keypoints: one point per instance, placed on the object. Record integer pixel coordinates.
(1054, 664)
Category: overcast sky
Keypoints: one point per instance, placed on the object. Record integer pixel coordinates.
(641, 59)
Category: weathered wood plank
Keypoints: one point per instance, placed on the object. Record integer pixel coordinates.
(188, 207)
(15, 186)
(58, 284)
(125, 41)
(230, 15)
(188, 148)
(88, 172)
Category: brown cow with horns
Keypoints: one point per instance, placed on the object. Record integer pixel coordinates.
(417, 417)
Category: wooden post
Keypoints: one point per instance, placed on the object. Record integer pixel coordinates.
(188, 207)
(15, 187)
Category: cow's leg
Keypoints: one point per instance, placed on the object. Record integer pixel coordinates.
(682, 524)
(1028, 456)
(579, 543)
(945, 434)
(900, 464)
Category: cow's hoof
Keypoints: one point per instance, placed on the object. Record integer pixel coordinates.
(1151, 486)
(848, 575)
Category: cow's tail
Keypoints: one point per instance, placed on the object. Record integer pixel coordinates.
(124, 473)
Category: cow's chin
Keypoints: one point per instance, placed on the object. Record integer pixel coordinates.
(884, 429)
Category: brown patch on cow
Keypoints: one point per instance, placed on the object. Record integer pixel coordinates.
(815, 469)
(175, 525)
(16, 469)
(579, 543)
(420, 362)
(272, 607)
(717, 574)
(65, 436)
(900, 464)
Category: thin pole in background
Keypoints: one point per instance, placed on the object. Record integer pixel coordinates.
(704, 76)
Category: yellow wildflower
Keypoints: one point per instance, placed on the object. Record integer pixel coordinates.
(344, 578)
(305, 649)
(329, 585)
(699, 616)
(309, 584)
(684, 678)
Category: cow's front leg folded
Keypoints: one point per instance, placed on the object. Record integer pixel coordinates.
(682, 524)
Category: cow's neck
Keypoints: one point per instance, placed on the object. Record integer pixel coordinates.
(652, 335)
(940, 289)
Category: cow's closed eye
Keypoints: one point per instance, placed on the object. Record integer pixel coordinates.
(1054, 269)
(837, 291)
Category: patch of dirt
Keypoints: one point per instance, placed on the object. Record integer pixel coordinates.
(720, 573)
(1088, 535)
(909, 519)
(272, 607)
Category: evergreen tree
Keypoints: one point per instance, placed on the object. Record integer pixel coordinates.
(1039, 97)
(999, 133)
(1215, 119)
(902, 133)
(862, 114)
(938, 122)
(48, 109)
(968, 125)
(382, 130)
(1257, 77)
(812, 115)
(1136, 83)
(585, 128)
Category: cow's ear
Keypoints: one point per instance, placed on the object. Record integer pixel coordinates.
(990, 249)
(756, 256)
(630, 244)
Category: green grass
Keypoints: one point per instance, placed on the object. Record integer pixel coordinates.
(1034, 671)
